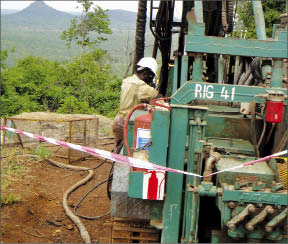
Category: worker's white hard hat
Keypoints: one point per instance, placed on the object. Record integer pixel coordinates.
(149, 63)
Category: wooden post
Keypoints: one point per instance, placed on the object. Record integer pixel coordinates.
(85, 138)
(18, 135)
(69, 140)
(3, 134)
(39, 132)
(97, 132)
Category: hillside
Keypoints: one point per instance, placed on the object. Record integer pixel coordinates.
(37, 15)
(36, 31)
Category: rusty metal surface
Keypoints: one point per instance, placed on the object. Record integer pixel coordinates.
(126, 230)
(282, 169)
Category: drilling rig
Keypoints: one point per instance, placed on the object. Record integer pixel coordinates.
(227, 107)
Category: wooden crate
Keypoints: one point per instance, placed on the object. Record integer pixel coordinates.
(134, 231)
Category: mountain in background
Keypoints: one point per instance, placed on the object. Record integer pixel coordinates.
(36, 31)
(37, 15)
(40, 15)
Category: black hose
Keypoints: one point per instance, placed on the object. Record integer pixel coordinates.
(98, 166)
(227, 15)
(86, 194)
(163, 34)
(256, 71)
(140, 32)
(253, 129)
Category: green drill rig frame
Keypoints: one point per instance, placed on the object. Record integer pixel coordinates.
(207, 131)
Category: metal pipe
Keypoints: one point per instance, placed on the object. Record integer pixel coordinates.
(198, 11)
(276, 220)
(259, 217)
(240, 217)
(236, 70)
(197, 69)
(220, 69)
(209, 164)
(259, 19)
(277, 73)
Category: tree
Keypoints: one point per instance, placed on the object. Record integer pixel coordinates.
(37, 84)
(31, 85)
(4, 56)
(272, 10)
(93, 21)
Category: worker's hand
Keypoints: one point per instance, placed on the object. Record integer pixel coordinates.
(145, 101)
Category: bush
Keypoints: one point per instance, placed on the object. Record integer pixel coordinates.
(83, 85)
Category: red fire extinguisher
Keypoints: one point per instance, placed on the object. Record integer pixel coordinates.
(142, 128)
(142, 133)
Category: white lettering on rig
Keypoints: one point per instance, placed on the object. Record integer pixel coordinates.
(198, 89)
(225, 93)
(209, 94)
(205, 91)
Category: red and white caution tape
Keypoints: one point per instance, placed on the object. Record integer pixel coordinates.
(252, 162)
(133, 162)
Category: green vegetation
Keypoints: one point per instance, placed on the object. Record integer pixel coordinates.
(11, 169)
(10, 199)
(272, 10)
(83, 85)
(80, 30)
(42, 152)
(36, 31)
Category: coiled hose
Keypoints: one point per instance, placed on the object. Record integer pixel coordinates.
(75, 219)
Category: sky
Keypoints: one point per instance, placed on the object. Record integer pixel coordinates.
(69, 6)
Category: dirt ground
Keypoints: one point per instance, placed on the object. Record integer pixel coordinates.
(40, 218)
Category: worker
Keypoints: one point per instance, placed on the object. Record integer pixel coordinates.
(135, 89)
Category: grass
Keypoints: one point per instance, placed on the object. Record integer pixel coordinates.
(10, 199)
(42, 152)
(12, 168)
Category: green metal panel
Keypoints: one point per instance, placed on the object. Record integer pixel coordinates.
(226, 93)
(230, 126)
(230, 145)
(197, 42)
(158, 150)
(160, 133)
(135, 189)
(256, 197)
(184, 70)
(277, 73)
(192, 201)
(175, 75)
(197, 72)
(259, 172)
(174, 185)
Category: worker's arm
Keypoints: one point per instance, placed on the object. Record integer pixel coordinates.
(147, 93)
